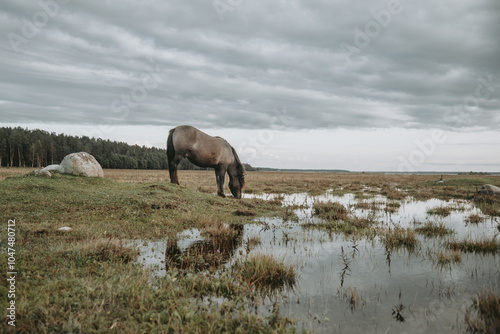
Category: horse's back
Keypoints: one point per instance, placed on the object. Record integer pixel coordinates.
(199, 147)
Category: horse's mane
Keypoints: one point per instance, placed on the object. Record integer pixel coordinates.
(240, 169)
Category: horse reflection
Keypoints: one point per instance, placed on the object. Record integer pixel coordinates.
(209, 254)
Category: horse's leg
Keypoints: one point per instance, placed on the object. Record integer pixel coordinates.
(220, 174)
(172, 169)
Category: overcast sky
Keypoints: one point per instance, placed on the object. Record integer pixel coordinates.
(359, 85)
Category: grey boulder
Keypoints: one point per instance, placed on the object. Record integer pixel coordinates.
(489, 189)
(80, 164)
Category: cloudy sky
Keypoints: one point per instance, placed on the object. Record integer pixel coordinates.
(359, 85)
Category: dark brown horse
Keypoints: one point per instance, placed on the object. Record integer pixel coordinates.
(205, 151)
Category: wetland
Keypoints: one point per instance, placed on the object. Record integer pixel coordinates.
(312, 252)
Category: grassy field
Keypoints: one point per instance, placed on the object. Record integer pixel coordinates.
(86, 280)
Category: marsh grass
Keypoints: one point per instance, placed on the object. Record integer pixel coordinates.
(87, 279)
(484, 314)
(392, 206)
(330, 211)
(352, 225)
(488, 204)
(369, 205)
(206, 255)
(254, 241)
(475, 218)
(431, 229)
(443, 211)
(81, 281)
(397, 237)
(483, 245)
(265, 273)
(394, 186)
(443, 258)
(351, 296)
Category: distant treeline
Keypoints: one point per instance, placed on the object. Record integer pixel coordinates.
(37, 148)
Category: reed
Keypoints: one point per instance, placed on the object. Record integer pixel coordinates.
(484, 314)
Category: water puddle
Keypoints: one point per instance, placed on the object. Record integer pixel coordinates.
(352, 284)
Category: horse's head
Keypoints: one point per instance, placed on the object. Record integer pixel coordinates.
(236, 186)
(236, 177)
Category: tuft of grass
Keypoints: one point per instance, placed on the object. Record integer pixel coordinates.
(484, 245)
(398, 237)
(392, 206)
(486, 317)
(351, 226)
(265, 273)
(330, 210)
(448, 257)
(253, 241)
(443, 211)
(475, 218)
(431, 229)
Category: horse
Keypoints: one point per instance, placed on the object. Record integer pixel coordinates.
(205, 151)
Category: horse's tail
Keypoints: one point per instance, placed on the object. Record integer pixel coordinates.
(239, 168)
(170, 146)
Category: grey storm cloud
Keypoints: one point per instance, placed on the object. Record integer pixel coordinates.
(329, 64)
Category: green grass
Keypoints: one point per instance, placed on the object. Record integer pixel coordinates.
(86, 280)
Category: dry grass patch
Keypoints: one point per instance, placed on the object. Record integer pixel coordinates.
(448, 257)
(396, 238)
(330, 210)
(484, 245)
(265, 273)
(431, 229)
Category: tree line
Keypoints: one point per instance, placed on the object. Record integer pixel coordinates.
(38, 148)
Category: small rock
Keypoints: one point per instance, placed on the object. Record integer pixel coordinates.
(44, 173)
(65, 228)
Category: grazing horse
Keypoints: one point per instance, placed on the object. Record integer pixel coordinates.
(205, 151)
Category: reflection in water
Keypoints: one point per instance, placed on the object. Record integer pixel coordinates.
(209, 254)
(348, 285)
